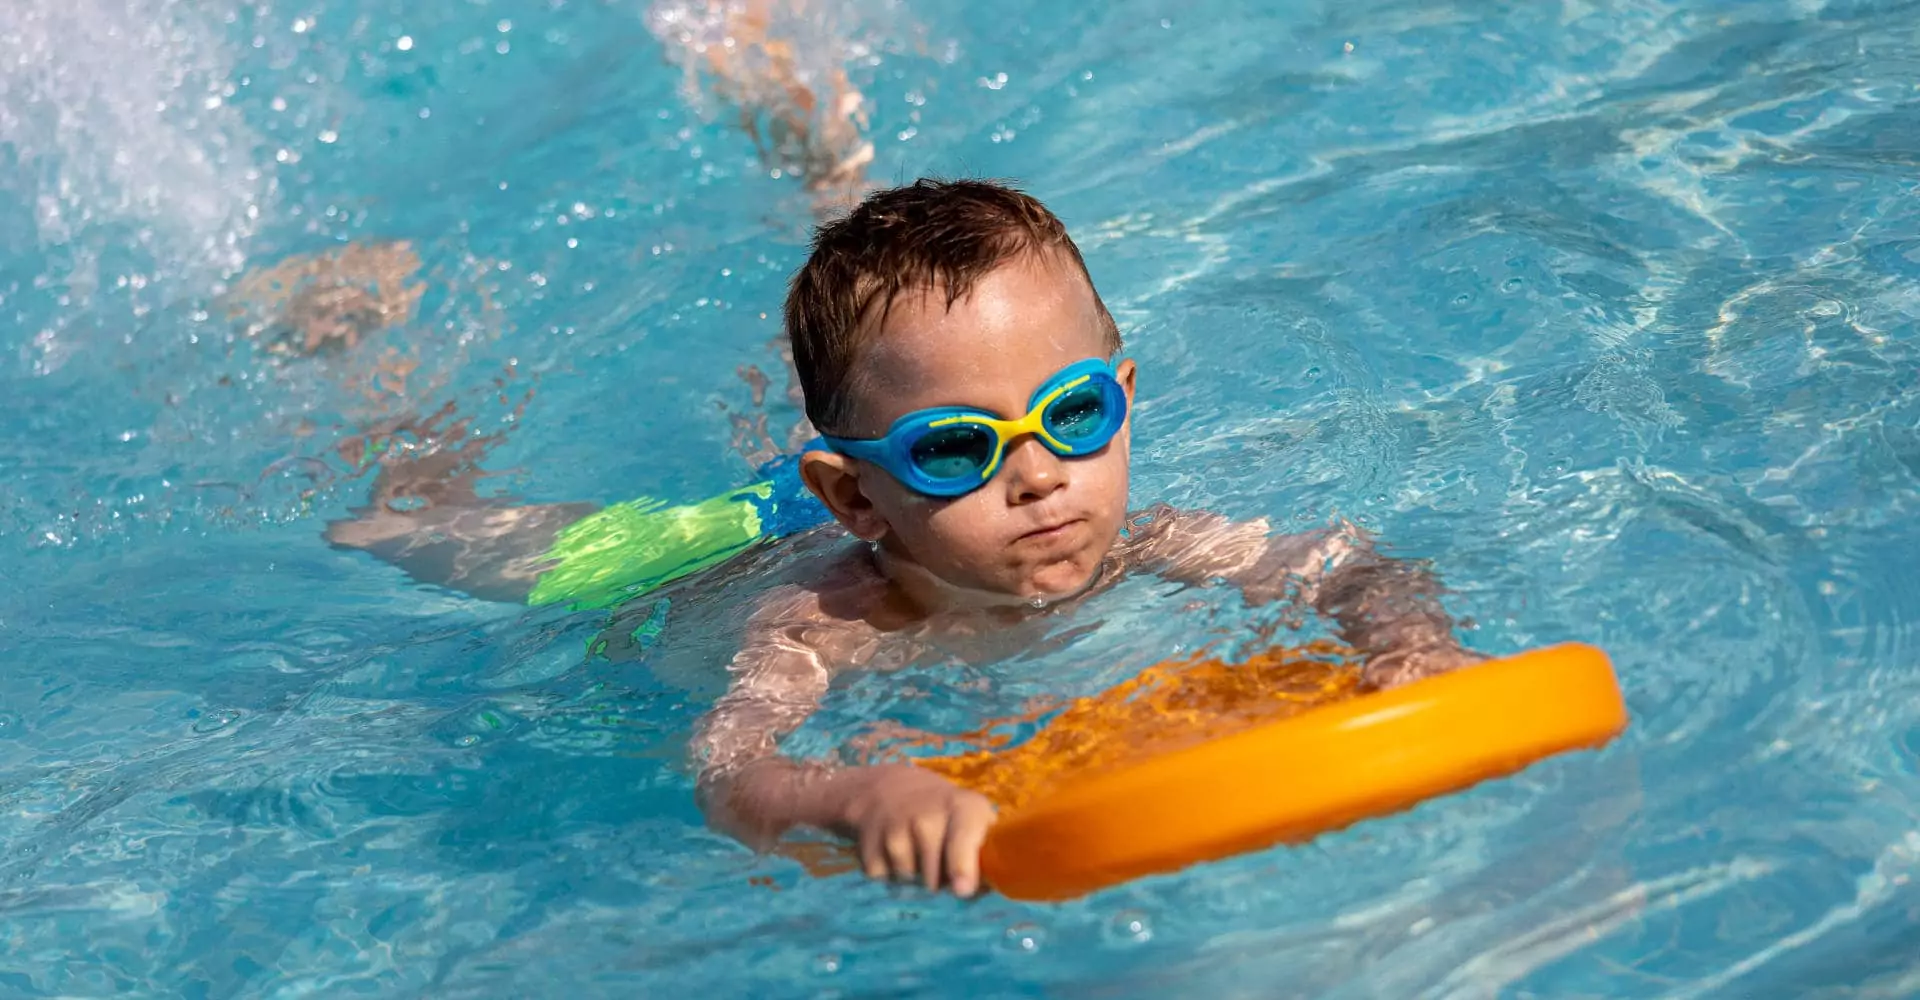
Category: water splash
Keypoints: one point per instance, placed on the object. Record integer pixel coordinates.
(116, 117)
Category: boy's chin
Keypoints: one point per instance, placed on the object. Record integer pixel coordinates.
(1052, 580)
(1056, 581)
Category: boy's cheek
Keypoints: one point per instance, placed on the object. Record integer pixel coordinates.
(951, 533)
(1114, 482)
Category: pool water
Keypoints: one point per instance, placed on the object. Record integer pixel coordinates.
(1607, 309)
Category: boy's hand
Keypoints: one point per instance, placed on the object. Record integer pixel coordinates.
(1404, 666)
(911, 822)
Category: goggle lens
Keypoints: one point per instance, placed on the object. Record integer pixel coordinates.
(1078, 415)
(954, 451)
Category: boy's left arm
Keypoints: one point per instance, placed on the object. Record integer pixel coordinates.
(1387, 609)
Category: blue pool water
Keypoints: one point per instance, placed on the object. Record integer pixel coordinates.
(1608, 309)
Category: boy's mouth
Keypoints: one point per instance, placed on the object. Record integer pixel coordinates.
(1051, 532)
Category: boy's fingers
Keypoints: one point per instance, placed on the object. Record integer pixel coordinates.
(965, 834)
(899, 845)
(930, 833)
(872, 861)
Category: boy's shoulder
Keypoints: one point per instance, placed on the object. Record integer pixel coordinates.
(1198, 543)
(841, 590)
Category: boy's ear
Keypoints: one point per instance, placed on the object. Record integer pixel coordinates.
(835, 479)
(1123, 374)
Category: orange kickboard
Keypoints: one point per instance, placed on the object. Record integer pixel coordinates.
(1198, 761)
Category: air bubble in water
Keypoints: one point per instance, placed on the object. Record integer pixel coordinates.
(1129, 927)
(1026, 937)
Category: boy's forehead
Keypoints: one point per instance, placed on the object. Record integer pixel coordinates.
(1030, 308)
(1017, 325)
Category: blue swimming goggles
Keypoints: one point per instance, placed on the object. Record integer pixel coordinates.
(949, 451)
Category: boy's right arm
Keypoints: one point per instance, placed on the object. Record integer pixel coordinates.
(493, 552)
(906, 822)
(427, 517)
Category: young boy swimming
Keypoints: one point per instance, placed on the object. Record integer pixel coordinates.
(974, 408)
(965, 374)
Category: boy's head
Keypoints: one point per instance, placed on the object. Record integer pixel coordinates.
(963, 294)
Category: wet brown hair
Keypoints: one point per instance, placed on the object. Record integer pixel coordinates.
(928, 234)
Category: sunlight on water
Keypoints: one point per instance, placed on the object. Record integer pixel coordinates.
(1606, 309)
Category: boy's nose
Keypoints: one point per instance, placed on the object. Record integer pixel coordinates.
(1032, 472)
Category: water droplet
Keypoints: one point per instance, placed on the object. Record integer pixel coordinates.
(1129, 927)
(216, 720)
(1512, 285)
(826, 963)
(1462, 300)
(1313, 374)
(466, 741)
(404, 44)
(1026, 937)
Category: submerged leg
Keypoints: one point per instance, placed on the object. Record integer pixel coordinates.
(781, 66)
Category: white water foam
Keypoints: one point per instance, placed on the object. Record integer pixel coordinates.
(117, 112)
